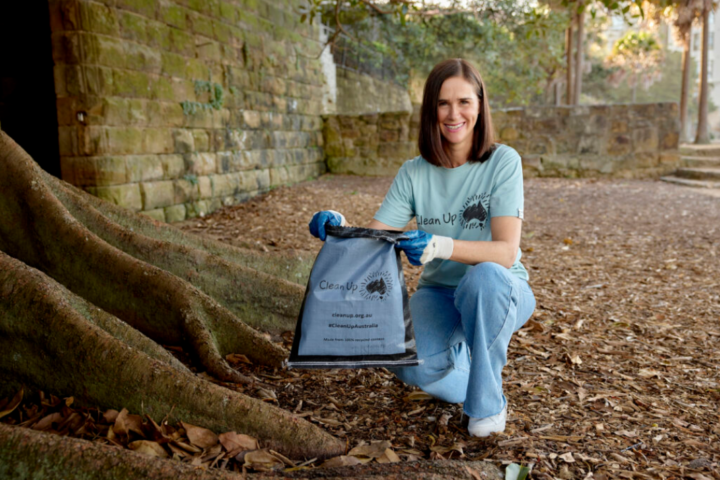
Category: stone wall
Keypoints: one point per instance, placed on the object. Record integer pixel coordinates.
(175, 107)
(359, 94)
(625, 141)
(371, 144)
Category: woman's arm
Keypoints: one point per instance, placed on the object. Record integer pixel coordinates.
(502, 249)
(380, 226)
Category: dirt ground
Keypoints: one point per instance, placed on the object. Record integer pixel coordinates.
(615, 375)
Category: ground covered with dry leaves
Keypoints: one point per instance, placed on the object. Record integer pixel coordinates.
(615, 375)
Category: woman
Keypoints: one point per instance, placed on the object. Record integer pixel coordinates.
(466, 194)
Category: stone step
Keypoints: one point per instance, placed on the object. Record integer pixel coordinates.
(686, 182)
(699, 162)
(706, 173)
(712, 150)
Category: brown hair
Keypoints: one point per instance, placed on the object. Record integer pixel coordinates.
(430, 140)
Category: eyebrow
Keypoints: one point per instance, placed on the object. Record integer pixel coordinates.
(445, 99)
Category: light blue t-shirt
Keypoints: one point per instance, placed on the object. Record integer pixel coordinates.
(458, 203)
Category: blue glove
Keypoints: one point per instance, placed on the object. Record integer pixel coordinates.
(326, 217)
(423, 247)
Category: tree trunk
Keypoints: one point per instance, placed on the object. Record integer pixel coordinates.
(634, 91)
(80, 316)
(27, 454)
(703, 135)
(577, 89)
(684, 92)
(569, 69)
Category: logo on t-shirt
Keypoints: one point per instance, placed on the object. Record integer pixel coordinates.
(376, 286)
(474, 212)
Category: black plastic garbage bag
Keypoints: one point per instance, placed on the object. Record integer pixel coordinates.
(355, 313)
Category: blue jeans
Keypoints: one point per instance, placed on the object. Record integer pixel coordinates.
(463, 336)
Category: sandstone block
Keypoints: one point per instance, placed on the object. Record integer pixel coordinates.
(173, 166)
(248, 180)
(278, 176)
(205, 187)
(184, 140)
(110, 171)
(173, 15)
(186, 190)
(225, 184)
(670, 141)
(645, 139)
(98, 18)
(156, 214)
(127, 196)
(147, 8)
(263, 179)
(175, 213)
(252, 119)
(197, 209)
(157, 194)
(182, 42)
(143, 168)
(132, 26)
(68, 140)
(128, 83)
(201, 138)
(669, 158)
(158, 140)
(200, 163)
(173, 65)
(509, 134)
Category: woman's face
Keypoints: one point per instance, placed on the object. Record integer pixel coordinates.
(457, 111)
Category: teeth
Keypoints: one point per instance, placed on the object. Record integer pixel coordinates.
(455, 127)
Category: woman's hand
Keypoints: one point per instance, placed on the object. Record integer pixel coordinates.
(423, 247)
(326, 217)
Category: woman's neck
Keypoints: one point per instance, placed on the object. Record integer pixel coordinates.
(458, 154)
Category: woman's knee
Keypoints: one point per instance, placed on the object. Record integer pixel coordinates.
(486, 277)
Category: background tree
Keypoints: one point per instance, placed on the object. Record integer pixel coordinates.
(638, 56)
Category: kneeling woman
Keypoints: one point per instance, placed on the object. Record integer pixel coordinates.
(466, 193)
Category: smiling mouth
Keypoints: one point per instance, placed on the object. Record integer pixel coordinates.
(453, 128)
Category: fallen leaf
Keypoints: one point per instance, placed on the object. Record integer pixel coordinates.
(200, 437)
(648, 373)
(388, 457)
(238, 358)
(341, 461)
(16, 400)
(418, 396)
(567, 457)
(374, 450)
(263, 461)
(235, 443)
(146, 447)
(47, 421)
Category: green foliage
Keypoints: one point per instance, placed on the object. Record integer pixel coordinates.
(192, 178)
(517, 48)
(217, 97)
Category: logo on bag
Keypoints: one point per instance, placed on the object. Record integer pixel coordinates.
(474, 212)
(376, 286)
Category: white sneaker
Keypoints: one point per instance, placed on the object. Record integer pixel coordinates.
(483, 427)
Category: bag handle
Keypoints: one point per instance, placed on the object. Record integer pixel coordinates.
(391, 236)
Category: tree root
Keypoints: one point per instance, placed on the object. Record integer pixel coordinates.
(38, 230)
(26, 454)
(83, 300)
(48, 344)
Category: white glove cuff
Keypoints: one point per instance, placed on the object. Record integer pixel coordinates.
(343, 222)
(444, 247)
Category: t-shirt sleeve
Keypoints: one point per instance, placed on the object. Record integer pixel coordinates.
(506, 199)
(397, 208)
